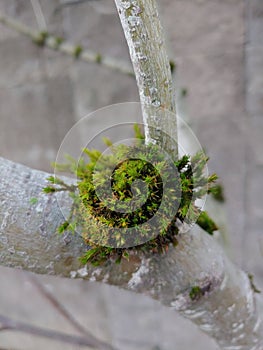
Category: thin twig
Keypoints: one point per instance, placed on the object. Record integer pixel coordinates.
(56, 43)
(58, 306)
(9, 324)
(74, 2)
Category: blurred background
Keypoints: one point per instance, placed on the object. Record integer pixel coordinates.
(217, 47)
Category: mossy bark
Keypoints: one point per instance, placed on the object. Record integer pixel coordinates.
(29, 240)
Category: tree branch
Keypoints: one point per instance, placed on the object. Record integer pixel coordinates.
(60, 308)
(224, 306)
(11, 325)
(145, 38)
(56, 43)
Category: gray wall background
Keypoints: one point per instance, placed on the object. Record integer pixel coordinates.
(217, 47)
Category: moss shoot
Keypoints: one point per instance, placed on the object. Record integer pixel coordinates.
(195, 293)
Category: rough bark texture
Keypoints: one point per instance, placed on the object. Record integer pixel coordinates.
(144, 35)
(225, 309)
(27, 232)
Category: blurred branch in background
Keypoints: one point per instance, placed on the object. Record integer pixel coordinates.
(46, 39)
(58, 306)
(73, 2)
(100, 6)
(8, 324)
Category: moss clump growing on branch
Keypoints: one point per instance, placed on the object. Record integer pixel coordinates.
(195, 293)
(40, 38)
(172, 66)
(217, 192)
(133, 199)
(77, 51)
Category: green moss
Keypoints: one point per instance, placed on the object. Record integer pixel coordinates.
(98, 58)
(33, 200)
(40, 38)
(252, 283)
(138, 133)
(106, 223)
(172, 66)
(206, 223)
(217, 193)
(58, 41)
(77, 51)
(131, 74)
(184, 92)
(195, 293)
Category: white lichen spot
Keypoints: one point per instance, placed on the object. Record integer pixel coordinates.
(156, 103)
(3, 239)
(125, 5)
(224, 282)
(136, 279)
(207, 327)
(141, 56)
(83, 272)
(231, 308)
(136, 10)
(182, 303)
(39, 208)
(257, 325)
(154, 118)
(95, 274)
(134, 21)
(50, 266)
(21, 253)
(57, 257)
(238, 327)
(198, 314)
(179, 302)
(106, 278)
(153, 90)
(73, 274)
(11, 250)
(4, 222)
(143, 75)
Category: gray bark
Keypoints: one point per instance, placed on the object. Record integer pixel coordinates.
(144, 35)
(28, 236)
(28, 240)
